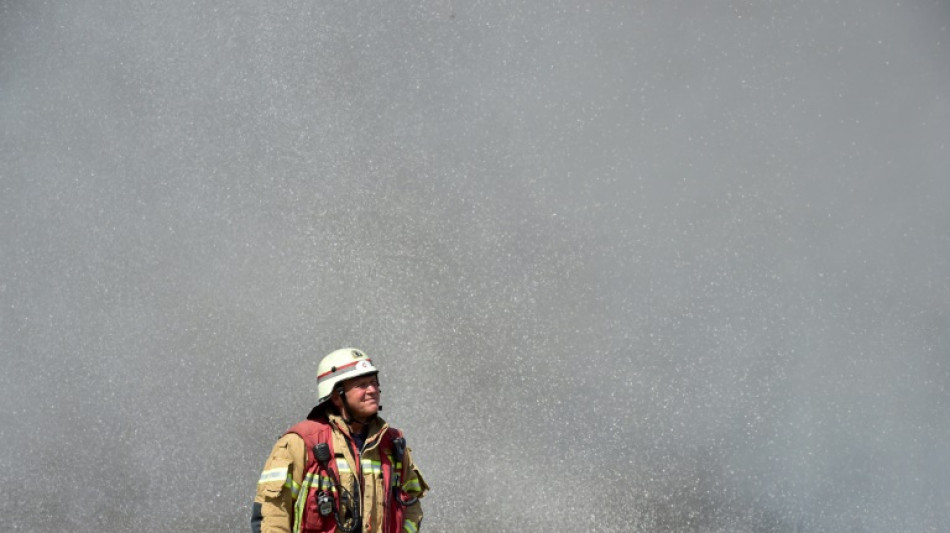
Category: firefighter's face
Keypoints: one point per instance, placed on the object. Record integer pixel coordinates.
(362, 396)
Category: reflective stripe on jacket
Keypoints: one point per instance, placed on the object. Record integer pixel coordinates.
(291, 480)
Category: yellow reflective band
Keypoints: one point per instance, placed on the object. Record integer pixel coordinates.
(293, 486)
(412, 485)
(300, 503)
(370, 466)
(409, 526)
(320, 482)
(342, 466)
(310, 482)
(274, 474)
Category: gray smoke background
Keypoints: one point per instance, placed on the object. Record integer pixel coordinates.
(626, 266)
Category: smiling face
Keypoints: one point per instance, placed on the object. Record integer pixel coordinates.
(362, 396)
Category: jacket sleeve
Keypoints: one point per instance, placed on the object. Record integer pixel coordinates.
(417, 487)
(278, 486)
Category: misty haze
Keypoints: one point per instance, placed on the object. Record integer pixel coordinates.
(624, 266)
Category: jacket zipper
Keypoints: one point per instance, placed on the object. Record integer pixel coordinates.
(358, 478)
(358, 459)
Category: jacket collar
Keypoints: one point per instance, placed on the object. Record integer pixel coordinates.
(377, 426)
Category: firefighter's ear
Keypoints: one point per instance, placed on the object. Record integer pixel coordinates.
(337, 399)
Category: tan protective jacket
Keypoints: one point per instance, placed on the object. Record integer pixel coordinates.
(277, 496)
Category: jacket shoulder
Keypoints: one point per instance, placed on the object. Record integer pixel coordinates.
(392, 433)
(312, 432)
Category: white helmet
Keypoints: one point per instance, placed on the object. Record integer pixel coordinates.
(338, 366)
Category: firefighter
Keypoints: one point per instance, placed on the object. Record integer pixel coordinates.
(343, 469)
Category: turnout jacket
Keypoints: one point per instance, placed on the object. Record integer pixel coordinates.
(291, 483)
